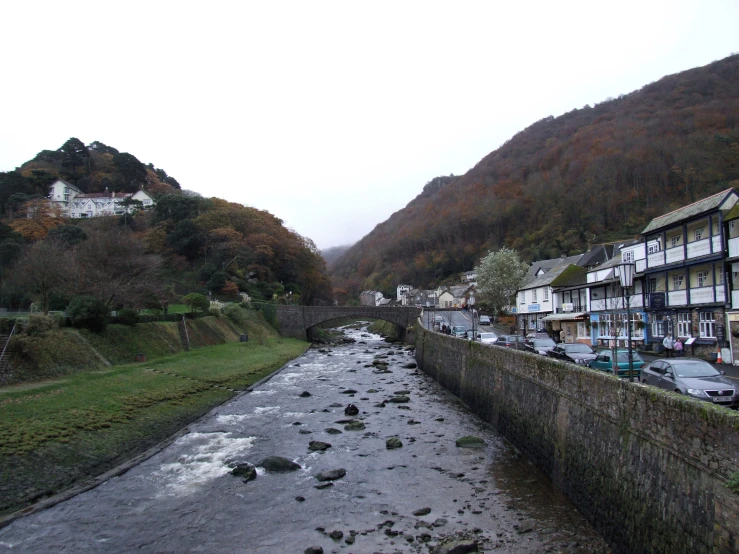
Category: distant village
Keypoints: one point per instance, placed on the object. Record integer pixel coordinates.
(686, 284)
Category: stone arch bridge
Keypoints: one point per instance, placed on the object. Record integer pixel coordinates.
(298, 321)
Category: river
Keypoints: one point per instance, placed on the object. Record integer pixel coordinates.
(185, 499)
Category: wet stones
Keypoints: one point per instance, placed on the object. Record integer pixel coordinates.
(318, 446)
(470, 442)
(410, 365)
(398, 399)
(332, 431)
(402, 392)
(456, 547)
(331, 474)
(313, 550)
(354, 426)
(278, 464)
(349, 391)
(351, 410)
(422, 512)
(246, 471)
(304, 394)
(393, 443)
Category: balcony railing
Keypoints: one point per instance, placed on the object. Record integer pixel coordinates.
(699, 248)
(656, 258)
(677, 298)
(735, 299)
(675, 254)
(640, 265)
(575, 308)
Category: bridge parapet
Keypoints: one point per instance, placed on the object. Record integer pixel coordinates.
(296, 321)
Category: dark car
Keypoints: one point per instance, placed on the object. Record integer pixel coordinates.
(540, 346)
(576, 352)
(485, 320)
(509, 341)
(459, 331)
(692, 377)
(604, 362)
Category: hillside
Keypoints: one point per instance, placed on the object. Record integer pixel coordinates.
(593, 174)
(185, 243)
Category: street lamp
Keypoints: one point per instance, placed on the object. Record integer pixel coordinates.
(472, 308)
(626, 275)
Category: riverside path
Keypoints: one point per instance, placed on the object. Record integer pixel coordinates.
(417, 497)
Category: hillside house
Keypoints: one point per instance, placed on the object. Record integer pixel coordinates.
(76, 204)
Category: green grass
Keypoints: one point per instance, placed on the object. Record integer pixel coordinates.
(55, 434)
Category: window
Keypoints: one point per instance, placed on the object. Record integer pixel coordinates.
(628, 256)
(699, 233)
(582, 330)
(652, 248)
(677, 282)
(533, 295)
(546, 294)
(147, 202)
(657, 328)
(707, 325)
(683, 324)
(702, 278)
(675, 241)
(652, 285)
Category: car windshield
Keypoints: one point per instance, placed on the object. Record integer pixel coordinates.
(624, 357)
(544, 343)
(459, 328)
(578, 349)
(487, 335)
(695, 368)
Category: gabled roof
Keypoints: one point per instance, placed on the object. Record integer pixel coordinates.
(691, 210)
(571, 276)
(66, 184)
(549, 276)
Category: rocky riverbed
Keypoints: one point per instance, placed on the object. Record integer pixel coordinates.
(347, 449)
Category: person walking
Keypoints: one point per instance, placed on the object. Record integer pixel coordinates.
(669, 344)
(679, 348)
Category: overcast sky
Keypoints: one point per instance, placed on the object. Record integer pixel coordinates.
(330, 115)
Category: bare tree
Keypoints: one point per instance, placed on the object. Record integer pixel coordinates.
(113, 266)
(43, 270)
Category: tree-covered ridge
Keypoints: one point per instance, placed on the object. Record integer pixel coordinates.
(186, 243)
(594, 174)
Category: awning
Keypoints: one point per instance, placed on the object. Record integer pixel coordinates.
(565, 316)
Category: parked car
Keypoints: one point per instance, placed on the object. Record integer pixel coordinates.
(438, 319)
(604, 362)
(695, 378)
(484, 320)
(459, 331)
(540, 346)
(509, 341)
(576, 352)
(486, 337)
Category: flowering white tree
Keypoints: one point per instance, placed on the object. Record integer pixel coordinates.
(499, 276)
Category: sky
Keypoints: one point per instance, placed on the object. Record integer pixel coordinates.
(332, 115)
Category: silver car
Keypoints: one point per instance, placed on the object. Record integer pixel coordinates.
(692, 377)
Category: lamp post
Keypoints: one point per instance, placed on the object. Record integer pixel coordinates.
(626, 275)
(472, 307)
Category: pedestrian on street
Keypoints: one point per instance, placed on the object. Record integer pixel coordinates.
(679, 348)
(669, 344)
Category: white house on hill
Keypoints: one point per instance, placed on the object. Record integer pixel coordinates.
(74, 203)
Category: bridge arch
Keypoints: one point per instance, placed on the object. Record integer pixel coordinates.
(297, 321)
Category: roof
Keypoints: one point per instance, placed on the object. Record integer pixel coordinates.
(733, 213)
(549, 276)
(66, 183)
(691, 210)
(571, 276)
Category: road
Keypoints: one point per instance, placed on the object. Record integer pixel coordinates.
(408, 499)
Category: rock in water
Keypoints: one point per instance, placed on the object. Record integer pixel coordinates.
(470, 442)
(318, 446)
(247, 471)
(332, 431)
(278, 464)
(393, 443)
(351, 410)
(410, 365)
(422, 512)
(456, 547)
(331, 474)
(304, 394)
(313, 550)
(399, 399)
(354, 426)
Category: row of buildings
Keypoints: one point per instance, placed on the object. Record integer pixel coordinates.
(686, 284)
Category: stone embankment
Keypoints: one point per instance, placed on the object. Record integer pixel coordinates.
(648, 468)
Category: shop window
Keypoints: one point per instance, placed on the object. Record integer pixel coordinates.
(707, 325)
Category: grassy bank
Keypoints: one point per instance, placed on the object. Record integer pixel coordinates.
(55, 434)
(384, 328)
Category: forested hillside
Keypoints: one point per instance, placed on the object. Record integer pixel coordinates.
(186, 243)
(593, 174)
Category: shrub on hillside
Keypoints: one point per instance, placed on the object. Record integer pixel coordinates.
(39, 325)
(236, 314)
(215, 311)
(128, 316)
(196, 302)
(88, 312)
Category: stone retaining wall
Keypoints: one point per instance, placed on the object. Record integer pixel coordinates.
(648, 468)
